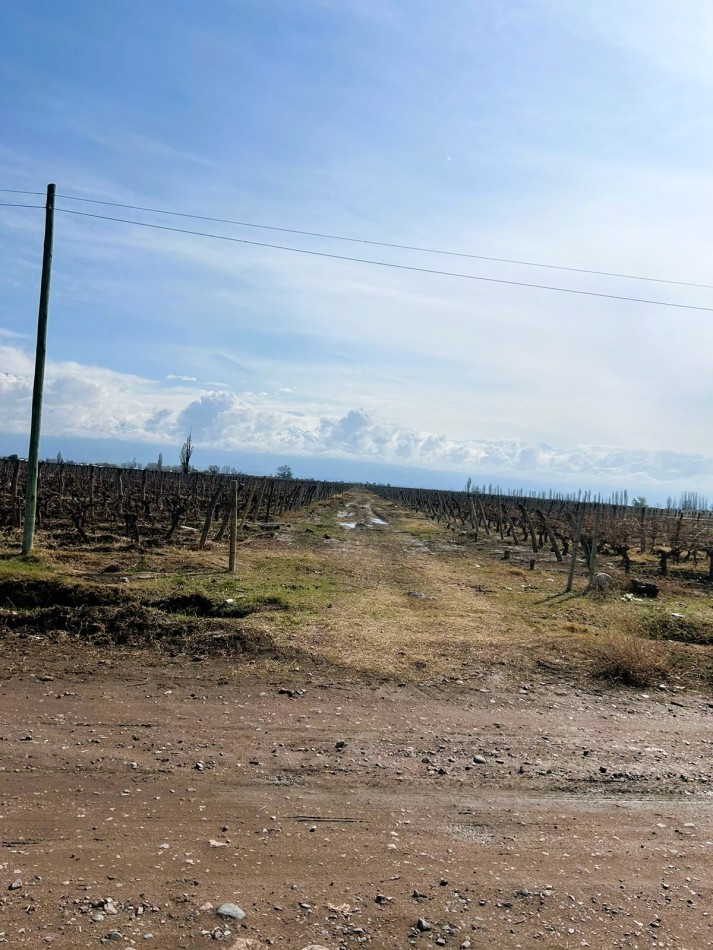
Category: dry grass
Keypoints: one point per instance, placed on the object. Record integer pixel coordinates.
(630, 661)
(407, 601)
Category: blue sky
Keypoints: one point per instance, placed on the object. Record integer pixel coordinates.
(537, 130)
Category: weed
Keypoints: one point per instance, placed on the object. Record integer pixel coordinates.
(630, 661)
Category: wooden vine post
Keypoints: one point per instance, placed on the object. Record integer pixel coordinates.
(233, 525)
(595, 545)
(575, 545)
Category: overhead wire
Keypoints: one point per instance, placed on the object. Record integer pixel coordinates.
(389, 264)
(16, 191)
(377, 263)
(402, 247)
(367, 241)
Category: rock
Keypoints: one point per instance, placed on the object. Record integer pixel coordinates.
(246, 943)
(600, 582)
(422, 925)
(315, 946)
(643, 588)
(232, 911)
(339, 744)
(15, 885)
(480, 760)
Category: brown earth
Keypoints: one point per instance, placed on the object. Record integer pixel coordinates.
(324, 779)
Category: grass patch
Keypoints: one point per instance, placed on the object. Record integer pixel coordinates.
(630, 661)
(686, 629)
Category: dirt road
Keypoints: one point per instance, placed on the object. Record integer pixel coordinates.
(343, 816)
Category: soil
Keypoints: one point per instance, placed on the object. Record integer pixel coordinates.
(168, 787)
(139, 790)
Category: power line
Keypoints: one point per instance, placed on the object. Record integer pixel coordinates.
(10, 204)
(15, 191)
(402, 247)
(353, 240)
(405, 267)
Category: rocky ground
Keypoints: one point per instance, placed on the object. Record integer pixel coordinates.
(137, 799)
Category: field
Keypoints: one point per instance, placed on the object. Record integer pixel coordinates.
(378, 720)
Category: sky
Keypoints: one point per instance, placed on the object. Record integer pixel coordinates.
(542, 131)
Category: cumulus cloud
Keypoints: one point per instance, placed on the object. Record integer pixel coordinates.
(88, 401)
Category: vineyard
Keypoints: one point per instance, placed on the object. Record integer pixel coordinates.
(85, 504)
(100, 504)
(555, 528)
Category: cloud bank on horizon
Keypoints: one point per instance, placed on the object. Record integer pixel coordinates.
(90, 401)
(539, 131)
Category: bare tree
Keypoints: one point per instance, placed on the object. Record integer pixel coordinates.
(186, 453)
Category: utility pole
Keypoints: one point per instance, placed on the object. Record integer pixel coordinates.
(37, 390)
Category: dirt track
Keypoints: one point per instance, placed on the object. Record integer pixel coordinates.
(589, 824)
(138, 789)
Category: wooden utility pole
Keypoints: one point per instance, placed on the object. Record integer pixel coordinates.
(33, 456)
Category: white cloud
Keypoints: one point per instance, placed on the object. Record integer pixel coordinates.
(88, 401)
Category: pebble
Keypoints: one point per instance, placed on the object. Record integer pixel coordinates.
(15, 886)
(422, 925)
(480, 760)
(231, 910)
